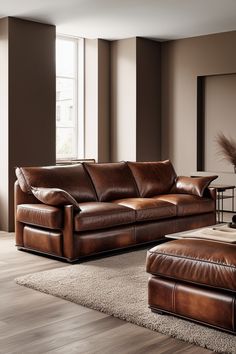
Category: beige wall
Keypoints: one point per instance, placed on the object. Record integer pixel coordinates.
(104, 100)
(135, 100)
(220, 116)
(123, 99)
(30, 120)
(182, 61)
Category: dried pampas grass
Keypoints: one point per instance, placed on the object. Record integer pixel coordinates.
(227, 148)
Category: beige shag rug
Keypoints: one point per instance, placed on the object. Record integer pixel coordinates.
(118, 286)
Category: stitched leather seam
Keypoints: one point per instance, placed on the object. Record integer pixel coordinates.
(173, 297)
(108, 226)
(40, 211)
(188, 281)
(157, 218)
(106, 213)
(193, 259)
(233, 314)
(201, 200)
(153, 208)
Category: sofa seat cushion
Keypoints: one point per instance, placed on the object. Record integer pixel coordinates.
(98, 215)
(148, 208)
(40, 215)
(197, 261)
(188, 204)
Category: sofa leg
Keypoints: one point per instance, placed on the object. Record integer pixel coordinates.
(159, 312)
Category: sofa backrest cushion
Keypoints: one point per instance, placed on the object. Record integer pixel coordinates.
(153, 178)
(72, 178)
(112, 181)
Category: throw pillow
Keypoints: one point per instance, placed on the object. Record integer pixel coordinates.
(192, 185)
(54, 196)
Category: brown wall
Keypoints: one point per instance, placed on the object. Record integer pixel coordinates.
(97, 100)
(31, 99)
(220, 116)
(148, 140)
(104, 100)
(182, 61)
(4, 147)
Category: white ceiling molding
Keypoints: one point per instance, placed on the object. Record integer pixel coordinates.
(115, 19)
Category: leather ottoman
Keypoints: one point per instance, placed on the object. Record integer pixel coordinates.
(194, 279)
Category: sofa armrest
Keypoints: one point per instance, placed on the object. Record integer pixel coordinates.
(210, 193)
(21, 197)
(68, 233)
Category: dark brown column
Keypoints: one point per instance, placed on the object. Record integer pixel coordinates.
(148, 126)
(28, 118)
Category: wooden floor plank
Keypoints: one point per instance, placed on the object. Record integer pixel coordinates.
(35, 323)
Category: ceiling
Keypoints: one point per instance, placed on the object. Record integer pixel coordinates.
(115, 19)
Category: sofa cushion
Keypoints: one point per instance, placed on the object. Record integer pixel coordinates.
(40, 215)
(188, 204)
(54, 196)
(149, 208)
(98, 215)
(73, 179)
(196, 261)
(192, 185)
(153, 178)
(112, 181)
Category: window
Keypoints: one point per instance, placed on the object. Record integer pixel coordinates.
(69, 98)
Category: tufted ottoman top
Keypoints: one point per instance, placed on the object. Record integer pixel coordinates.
(195, 261)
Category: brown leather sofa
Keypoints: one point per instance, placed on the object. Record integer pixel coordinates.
(194, 279)
(85, 209)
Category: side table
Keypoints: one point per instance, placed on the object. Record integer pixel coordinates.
(221, 196)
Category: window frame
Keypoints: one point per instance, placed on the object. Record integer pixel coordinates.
(78, 79)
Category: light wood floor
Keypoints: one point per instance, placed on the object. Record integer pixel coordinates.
(35, 323)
